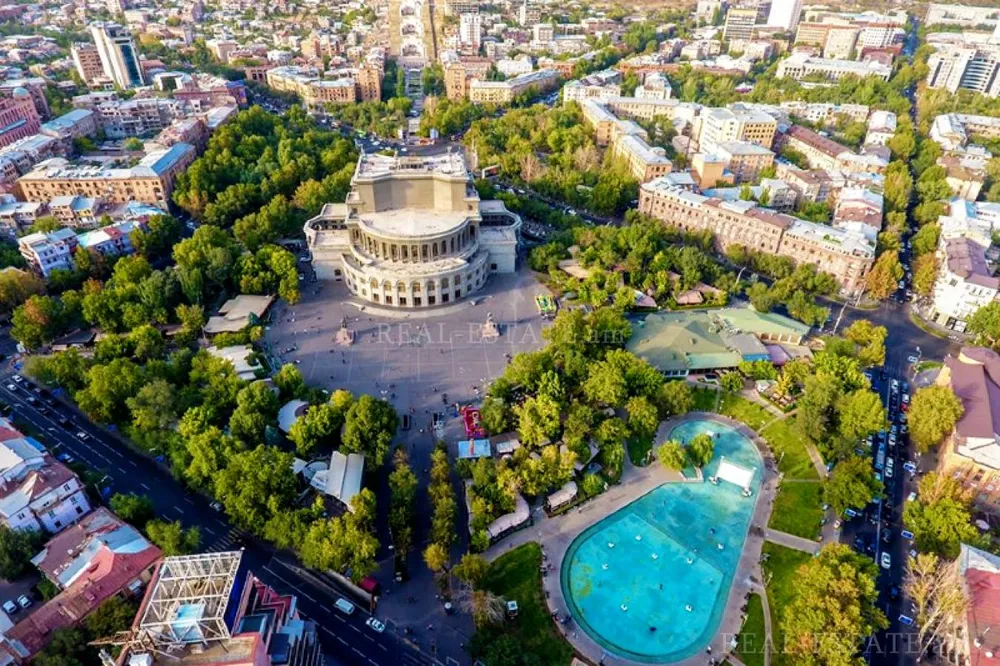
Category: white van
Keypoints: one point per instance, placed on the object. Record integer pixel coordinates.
(344, 606)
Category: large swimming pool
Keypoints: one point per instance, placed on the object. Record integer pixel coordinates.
(650, 582)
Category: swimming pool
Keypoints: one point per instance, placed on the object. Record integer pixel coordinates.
(650, 581)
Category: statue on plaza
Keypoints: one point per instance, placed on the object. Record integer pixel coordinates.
(345, 336)
(490, 330)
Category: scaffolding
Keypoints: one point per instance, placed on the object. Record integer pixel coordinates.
(186, 604)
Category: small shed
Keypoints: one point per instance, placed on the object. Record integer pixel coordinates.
(562, 497)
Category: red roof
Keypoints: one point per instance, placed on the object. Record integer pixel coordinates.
(984, 613)
(107, 575)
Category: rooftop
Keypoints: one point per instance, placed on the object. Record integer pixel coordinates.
(412, 222)
(974, 376)
(371, 165)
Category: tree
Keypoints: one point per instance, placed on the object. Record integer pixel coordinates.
(108, 388)
(700, 450)
(132, 508)
(941, 518)
(172, 538)
(17, 547)
(934, 411)
(319, 426)
(925, 271)
(132, 144)
(256, 485)
(672, 455)
(345, 542)
(192, 318)
(870, 340)
(859, 414)
(493, 416)
(16, 287)
(38, 321)
(643, 418)
(436, 557)
(471, 570)
(882, 280)
(369, 428)
(537, 419)
(852, 484)
(674, 398)
(68, 647)
(290, 382)
(937, 593)
(985, 324)
(731, 381)
(403, 493)
(832, 608)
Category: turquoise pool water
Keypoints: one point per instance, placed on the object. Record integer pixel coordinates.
(666, 568)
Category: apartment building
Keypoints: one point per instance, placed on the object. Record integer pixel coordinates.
(459, 74)
(800, 65)
(76, 211)
(16, 216)
(18, 118)
(644, 161)
(740, 22)
(38, 493)
(847, 256)
(655, 86)
(841, 42)
(965, 282)
(504, 92)
(307, 84)
(963, 15)
(718, 126)
(36, 86)
(118, 54)
(975, 68)
(824, 113)
(87, 60)
(744, 160)
(785, 14)
(71, 125)
(114, 240)
(46, 252)
(522, 64)
(824, 153)
(952, 130)
(470, 31)
(98, 558)
(599, 85)
(150, 181)
(881, 128)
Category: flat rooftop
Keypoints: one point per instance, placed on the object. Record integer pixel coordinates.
(373, 164)
(413, 222)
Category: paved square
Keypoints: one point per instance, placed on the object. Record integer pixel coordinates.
(419, 356)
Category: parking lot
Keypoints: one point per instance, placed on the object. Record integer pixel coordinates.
(412, 358)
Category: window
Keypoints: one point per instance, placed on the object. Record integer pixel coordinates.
(458, 293)
(416, 300)
(402, 300)
(431, 300)
(444, 298)
(493, 267)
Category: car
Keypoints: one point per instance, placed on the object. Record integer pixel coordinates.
(906, 398)
(888, 468)
(24, 601)
(912, 496)
(375, 625)
(894, 593)
(65, 423)
(9, 607)
(906, 534)
(911, 359)
(11, 387)
(886, 561)
(82, 436)
(32, 400)
(216, 506)
(18, 378)
(42, 409)
(906, 620)
(912, 469)
(65, 458)
(344, 606)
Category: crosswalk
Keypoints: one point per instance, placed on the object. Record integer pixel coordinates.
(234, 539)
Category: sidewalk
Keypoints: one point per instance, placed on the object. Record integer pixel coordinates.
(791, 541)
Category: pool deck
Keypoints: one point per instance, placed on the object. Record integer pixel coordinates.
(557, 533)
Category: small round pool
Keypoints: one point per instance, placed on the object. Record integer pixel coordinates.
(650, 581)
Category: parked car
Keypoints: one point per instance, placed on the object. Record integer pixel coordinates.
(9, 607)
(344, 606)
(65, 458)
(375, 625)
(82, 436)
(24, 601)
(886, 561)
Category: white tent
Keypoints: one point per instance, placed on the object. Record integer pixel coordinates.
(343, 479)
(735, 474)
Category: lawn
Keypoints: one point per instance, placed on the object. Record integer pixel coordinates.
(779, 570)
(790, 448)
(515, 576)
(739, 408)
(704, 400)
(798, 508)
(750, 647)
(638, 449)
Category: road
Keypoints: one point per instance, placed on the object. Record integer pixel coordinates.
(346, 639)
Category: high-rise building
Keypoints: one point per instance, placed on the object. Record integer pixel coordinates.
(119, 57)
(87, 61)
(739, 23)
(968, 68)
(470, 31)
(785, 13)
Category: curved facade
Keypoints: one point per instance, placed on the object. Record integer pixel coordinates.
(413, 233)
